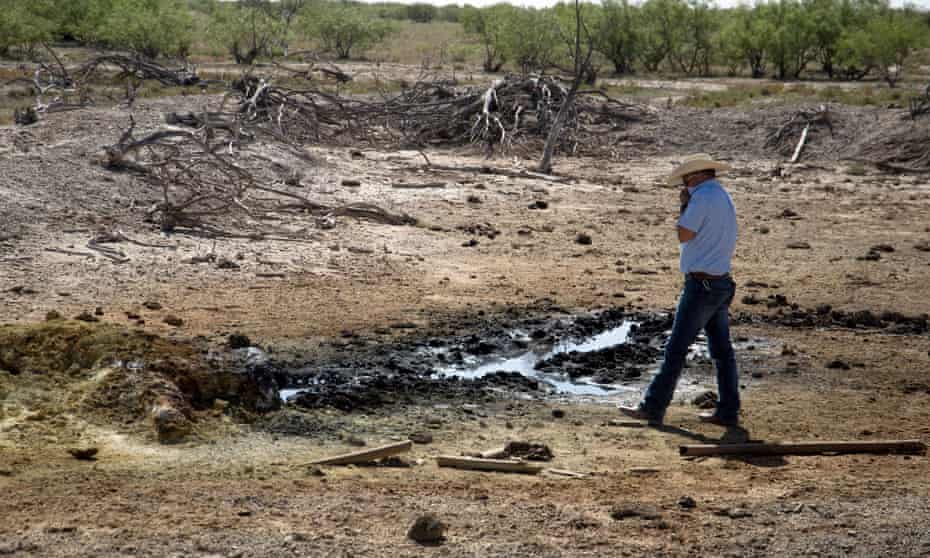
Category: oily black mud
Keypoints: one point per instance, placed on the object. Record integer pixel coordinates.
(417, 371)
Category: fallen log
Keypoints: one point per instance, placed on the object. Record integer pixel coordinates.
(366, 456)
(803, 448)
(478, 464)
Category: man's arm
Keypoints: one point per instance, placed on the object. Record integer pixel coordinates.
(692, 216)
(685, 235)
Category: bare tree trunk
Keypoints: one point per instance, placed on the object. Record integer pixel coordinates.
(552, 140)
(582, 62)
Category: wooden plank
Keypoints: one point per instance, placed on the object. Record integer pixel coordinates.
(366, 456)
(804, 448)
(567, 473)
(478, 464)
(496, 453)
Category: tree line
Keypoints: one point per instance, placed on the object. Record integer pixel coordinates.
(784, 39)
(246, 29)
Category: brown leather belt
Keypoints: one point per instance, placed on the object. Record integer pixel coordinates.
(701, 276)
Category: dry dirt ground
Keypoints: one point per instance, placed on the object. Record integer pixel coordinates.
(238, 491)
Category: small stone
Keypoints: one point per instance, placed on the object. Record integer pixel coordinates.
(239, 341)
(470, 243)
(52, 315)
(421, 438)
(687, 503)
(837, 364)
(152, 305)
(886, 248)
(558, 413)
(243, 513)
(315, 471)
(705, 400)
(473, 199)
(226, 263)
(583, 239)
(356, 441)
(83, 454)
(351, 183)
(620, 513)
(86, 317)
(171, 425)
(539, 204)
(758, 375)
(738, 513)
(799, 246)
(427, 529)
(173, 321)
(98, 311)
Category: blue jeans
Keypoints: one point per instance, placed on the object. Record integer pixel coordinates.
(703, 305)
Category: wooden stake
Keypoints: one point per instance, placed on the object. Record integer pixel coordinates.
(477, 464)
(797, 150)
(366, 456)
(804, 448)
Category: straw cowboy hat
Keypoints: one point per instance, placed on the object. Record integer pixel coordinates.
(695, 163)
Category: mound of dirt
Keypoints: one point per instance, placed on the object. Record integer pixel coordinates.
(71, 374)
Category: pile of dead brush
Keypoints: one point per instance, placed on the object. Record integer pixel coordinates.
(511, 112)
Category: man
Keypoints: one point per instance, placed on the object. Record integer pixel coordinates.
(707, 235)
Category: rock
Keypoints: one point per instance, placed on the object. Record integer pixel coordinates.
(226, 263)
(427, 529)
(98, 311)
(470, 243)
(356, 154)
(315, 471)
(531, 451)
(885, 248)
(86, 316)
(25, 116)
(539, 204)
(583, 239)
(421, 438)
(788, 214)
(687, 503)
(837, 364)
(922, 246)
(151, 305)
(620, 513)
(558, 413)
(473, 199)
(351, 183)
(764, 230)
(737, 513)
(171, 425)
(238, 341)
(52, 315)
(173, 321)
(84, 454)
(799, 246)
(706, 400)
(758, 375)
(356, 441)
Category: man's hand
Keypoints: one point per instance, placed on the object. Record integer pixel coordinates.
(684, 197)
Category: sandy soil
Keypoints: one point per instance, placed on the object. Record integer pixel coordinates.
(238, 491)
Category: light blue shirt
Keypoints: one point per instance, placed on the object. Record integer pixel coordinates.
(712, 215)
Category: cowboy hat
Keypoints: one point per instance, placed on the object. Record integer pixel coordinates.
(695, 163)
